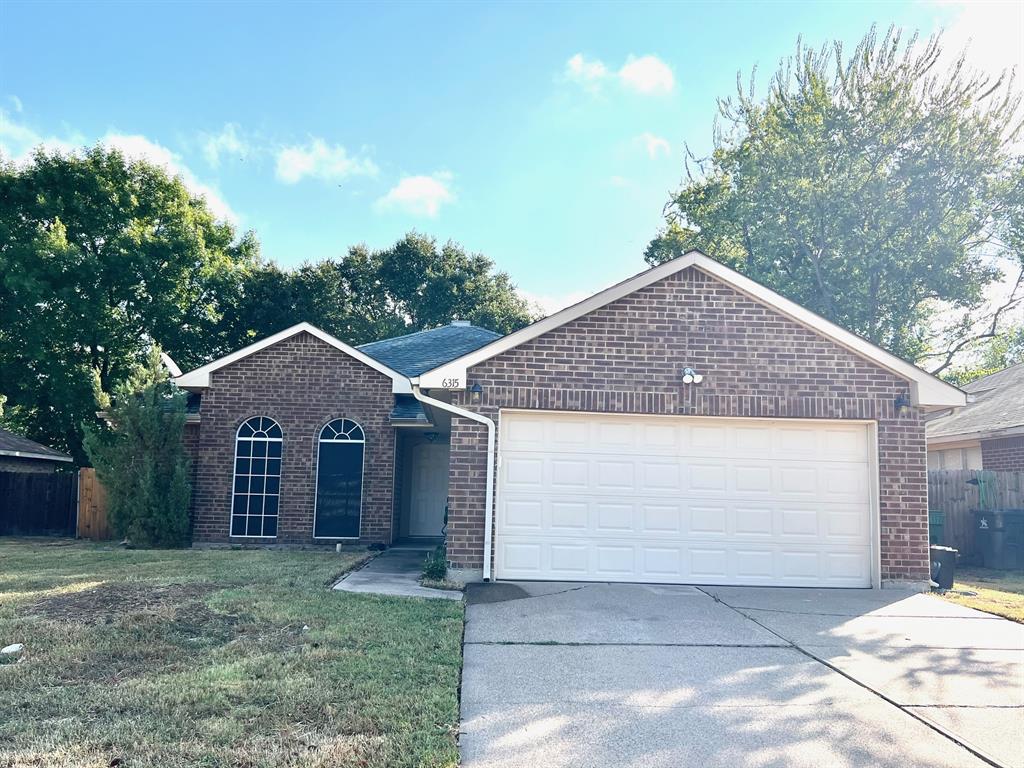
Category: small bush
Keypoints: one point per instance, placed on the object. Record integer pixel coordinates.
(435, 567)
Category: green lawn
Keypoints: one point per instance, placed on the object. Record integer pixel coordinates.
(218, 658)
(998, 592)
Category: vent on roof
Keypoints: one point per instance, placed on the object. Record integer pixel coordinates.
(460, 322)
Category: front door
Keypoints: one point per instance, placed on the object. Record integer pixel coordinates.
(429, 492)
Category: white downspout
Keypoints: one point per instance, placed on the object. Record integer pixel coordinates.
(489, 494)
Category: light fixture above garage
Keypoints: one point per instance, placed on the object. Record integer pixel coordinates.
(902, 404)
(475, 392)
(690, 376)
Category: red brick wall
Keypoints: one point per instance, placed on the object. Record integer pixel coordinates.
(627, 357)
(1003, 455)
(302, 383)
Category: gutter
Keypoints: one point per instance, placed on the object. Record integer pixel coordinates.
(489, 494)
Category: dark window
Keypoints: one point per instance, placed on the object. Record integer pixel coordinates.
(339, 480)
(257, 478)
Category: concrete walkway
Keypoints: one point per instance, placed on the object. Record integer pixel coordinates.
(596, 675)
(397, 572)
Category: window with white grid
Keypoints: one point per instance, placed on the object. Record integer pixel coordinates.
(257, 485)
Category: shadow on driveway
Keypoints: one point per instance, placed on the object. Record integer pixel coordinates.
(640, 675)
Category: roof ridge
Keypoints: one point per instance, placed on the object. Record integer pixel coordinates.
(428, 330)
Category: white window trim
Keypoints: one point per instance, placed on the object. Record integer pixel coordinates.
(234, 478)
(362, 480)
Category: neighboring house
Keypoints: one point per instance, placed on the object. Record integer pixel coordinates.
(687, 425)
(19, 454)
(986, 434)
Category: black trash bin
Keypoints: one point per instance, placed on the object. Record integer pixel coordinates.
(999, 537)
(943, 566)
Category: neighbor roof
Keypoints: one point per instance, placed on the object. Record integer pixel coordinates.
(23, 448)
(997, 408)
(925, 390)
(415, 353)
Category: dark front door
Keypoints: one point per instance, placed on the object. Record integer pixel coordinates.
(339, 490)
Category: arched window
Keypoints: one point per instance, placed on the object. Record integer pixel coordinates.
(339, 480)
(257, 488)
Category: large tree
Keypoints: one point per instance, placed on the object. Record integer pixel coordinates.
(100, 257)
(368, 294)
(880, 189)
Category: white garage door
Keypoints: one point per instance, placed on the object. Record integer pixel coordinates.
(667, 499)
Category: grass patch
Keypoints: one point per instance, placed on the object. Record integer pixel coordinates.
(218, 658)
(998, 592)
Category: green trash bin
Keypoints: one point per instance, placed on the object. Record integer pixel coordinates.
(999, 537)
(936, 524)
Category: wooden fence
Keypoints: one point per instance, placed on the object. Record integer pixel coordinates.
(92, 507)
(957, 492)
(38, 503)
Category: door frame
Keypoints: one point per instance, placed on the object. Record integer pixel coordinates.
(874, 481)
(316, 481)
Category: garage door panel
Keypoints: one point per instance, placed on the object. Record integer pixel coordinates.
(632, 499)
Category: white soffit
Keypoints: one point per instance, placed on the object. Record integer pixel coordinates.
(925, 390)
(200, 377)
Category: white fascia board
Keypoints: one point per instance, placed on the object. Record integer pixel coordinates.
(925, 390)
(30, 455)
(988, 434)
(200, 377)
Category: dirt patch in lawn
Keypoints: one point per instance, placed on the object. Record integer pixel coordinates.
(107, 602)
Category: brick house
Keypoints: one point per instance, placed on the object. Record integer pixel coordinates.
(19, 454)
(687, 425)
(986, 434)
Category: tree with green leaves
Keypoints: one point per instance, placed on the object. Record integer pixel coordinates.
(879, 189)
(100, 257)
(140, 457)
(993, 355)
(368, 295)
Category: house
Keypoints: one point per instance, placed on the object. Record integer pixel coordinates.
(986, 434)
(687, 425)
(19, 454)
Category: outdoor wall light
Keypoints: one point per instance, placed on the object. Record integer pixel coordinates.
(690, 376)
(475, 392)
(902, 404)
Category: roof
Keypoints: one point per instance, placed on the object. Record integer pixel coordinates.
(418, 352)
(23, 448)
(200, 377)
(925, 390)
(408, 411)
(997, 408)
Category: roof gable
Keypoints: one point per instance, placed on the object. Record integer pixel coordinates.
(926, 390)
(200, 377)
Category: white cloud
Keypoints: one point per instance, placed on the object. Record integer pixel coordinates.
(18, 140)
(16, 102)
(320, 160)
(647, 74)
(643, 74)
(654, 144)
(419, 195)
(549, 303)
(137, 147)
(589, 74)
(228, 141)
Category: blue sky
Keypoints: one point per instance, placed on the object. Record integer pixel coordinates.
(545, 136)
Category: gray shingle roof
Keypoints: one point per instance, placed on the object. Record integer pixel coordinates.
(408, 410)
(16, 445)
(416, 353)
(998, 404)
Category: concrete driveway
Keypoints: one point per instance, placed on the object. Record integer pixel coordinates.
(632, 675)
